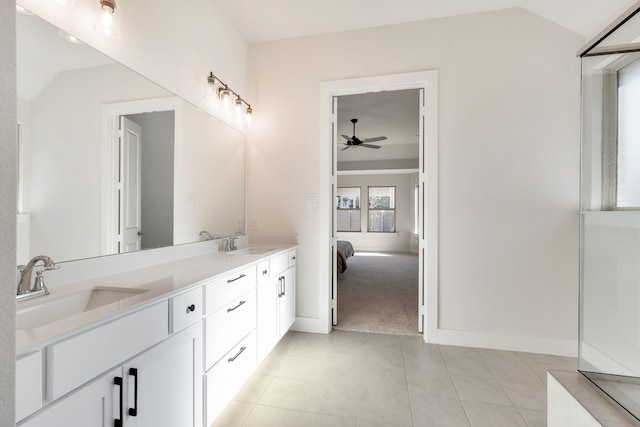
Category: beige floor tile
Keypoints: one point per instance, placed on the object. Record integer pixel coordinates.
(234, 414)
(417, 343)
(384, 358)
(488, 415)
(384, 340)
(270, 364)
(287, 393)
(385, 404)
(479, 389)
(319, 420)
(268, 416)
(383, 377)
(424, 384)
(467, 365)
(300, 368)
(438, 412)
(513, 371)
(534, 418)
(489, 354)
(253, 388)
(526, 395)
(335, 398)
(424, 361)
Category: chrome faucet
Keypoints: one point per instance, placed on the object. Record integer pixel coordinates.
(230, 242)
(27, 289)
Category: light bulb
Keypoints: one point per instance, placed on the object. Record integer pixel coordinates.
(105, 26)
(249, 114)
(238, 107)
(224, 96)
(210, 87)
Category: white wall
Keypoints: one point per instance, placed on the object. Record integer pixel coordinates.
(7, 213)
(400, 241)
(508, 162)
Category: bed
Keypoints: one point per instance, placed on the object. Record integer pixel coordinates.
(345, 250)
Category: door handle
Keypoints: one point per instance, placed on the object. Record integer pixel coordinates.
(140, 233)
(118, 421)
(134, 411)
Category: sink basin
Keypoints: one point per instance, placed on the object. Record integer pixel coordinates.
(44, 310)
(251, 251)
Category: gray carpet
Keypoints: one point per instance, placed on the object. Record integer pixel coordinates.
(379, 294)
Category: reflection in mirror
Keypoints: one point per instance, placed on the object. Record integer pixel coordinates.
(109, 161)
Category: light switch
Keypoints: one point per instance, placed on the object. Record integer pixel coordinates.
(312, 200)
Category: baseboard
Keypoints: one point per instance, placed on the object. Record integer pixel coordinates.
(503, 342)
(310, 324)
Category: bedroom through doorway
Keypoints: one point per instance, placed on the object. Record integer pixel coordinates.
(377, 211)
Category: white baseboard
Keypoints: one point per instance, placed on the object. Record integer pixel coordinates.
(504, 342)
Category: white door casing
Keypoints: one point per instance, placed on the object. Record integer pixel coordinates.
(427, 81)
(130, 204)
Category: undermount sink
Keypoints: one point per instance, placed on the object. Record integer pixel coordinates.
(251, 251)
(44, 310)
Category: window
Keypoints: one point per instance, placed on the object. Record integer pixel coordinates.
(628, 149)
(348, 204)
(382, 209)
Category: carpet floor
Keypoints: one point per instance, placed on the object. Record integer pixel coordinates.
(379, 293)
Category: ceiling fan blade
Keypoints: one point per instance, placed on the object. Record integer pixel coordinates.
(374, 139)
(370, 146)
(346, 148)
(348, 138)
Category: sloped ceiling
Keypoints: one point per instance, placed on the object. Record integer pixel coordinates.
(259, 20)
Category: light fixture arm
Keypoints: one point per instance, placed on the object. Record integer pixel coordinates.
(224, 89)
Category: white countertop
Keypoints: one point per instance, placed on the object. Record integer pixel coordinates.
(162, 280)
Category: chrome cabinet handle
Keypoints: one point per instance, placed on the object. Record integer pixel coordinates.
(237, 278)
(191, 308)
(231, 359)
(233, 308)
(284, 286)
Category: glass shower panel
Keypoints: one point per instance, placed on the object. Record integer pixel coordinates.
(610, 226)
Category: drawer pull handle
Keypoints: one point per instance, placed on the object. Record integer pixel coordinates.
(191, 308)
(233, 308)
(293, 258)
(264, 272)
(237, 278)
(231, 359)
(118, 421)
(134, 411)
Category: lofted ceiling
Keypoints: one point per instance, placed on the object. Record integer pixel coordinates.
(260, 21)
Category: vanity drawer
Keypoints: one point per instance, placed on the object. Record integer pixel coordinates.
(292, 257)
(28, 385)
(263, 271)
(222, 291)
(224, 380)
(186, 309)
(228, 325)
(75, 361)
(278, 264)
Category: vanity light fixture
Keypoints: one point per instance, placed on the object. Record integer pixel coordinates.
(105, 26)
(216, 86)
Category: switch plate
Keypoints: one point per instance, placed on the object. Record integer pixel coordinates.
(312, 200)
(255, 224)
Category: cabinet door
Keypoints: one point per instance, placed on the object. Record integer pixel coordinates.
(267, 320)
(95, 405)
(287, 301)
(164, 384)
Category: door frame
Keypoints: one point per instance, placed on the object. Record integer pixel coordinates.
(110, 155)
(428, 178)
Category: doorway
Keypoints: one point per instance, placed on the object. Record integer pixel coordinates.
(427, 216)
(138, 196)
(377, 172)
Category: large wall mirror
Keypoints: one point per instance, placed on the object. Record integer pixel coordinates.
(110, 162)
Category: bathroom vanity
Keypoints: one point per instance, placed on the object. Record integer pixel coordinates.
(164, 345)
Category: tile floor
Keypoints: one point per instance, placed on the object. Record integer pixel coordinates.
(375, 380)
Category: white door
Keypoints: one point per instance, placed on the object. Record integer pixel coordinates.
(164, 384)
(96, 405)
(130, 212)
(421, 217)
(334, 212)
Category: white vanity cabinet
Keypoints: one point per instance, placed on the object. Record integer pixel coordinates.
(95, 405)
(276, 300)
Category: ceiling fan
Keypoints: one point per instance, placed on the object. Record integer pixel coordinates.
(355, 142)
